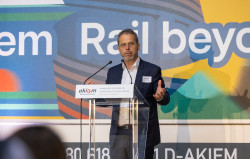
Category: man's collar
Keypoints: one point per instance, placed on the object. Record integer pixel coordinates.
(135, 65)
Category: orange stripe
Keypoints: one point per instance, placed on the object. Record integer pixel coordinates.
(70, 98)
(71, 112)
(65, 84)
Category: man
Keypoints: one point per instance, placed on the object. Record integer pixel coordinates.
(147, 78)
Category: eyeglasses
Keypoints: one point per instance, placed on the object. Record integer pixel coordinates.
(124, 45)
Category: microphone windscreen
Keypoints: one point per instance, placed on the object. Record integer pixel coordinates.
(110, 62)
(122, 60)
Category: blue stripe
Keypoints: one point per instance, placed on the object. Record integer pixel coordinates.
(30, 113)
(171, 91)
(179, 80)
(175, 85)
(28, 101)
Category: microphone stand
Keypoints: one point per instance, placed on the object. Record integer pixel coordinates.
(129, 109)
(81, 146)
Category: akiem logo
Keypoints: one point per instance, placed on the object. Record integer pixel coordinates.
(87, 91)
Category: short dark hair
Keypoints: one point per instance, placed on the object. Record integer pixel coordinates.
(42, 141)
(127, 31)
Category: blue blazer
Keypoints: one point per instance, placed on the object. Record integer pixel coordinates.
(114, 76)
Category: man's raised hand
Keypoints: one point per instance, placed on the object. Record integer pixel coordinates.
(159, 92)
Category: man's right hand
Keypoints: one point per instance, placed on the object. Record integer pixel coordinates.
(88, 82)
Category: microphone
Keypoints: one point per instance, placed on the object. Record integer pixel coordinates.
(122, 60)
(110, 62)
(129, 104)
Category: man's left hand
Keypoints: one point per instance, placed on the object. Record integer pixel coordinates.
(159, 92)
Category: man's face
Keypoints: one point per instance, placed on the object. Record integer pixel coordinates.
(128, 47)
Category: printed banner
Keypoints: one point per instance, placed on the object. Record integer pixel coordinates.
(46, 50)
(202, 47)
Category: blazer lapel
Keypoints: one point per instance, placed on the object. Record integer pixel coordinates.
(118, 78)
(138, 79)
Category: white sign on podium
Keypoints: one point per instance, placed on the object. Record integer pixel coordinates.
(104, 91)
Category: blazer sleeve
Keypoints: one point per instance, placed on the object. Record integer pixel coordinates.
(166, 97)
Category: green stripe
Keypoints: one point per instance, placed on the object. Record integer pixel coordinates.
(21, 6)
(33, 16)
(28, 106)
(28, 95)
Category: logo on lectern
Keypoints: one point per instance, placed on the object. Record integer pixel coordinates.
(87, 91)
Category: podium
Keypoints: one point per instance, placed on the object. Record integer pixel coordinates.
(106, 104)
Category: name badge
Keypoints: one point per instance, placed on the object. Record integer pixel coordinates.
(146, 79)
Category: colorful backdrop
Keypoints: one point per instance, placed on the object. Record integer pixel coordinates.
(202, 47)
